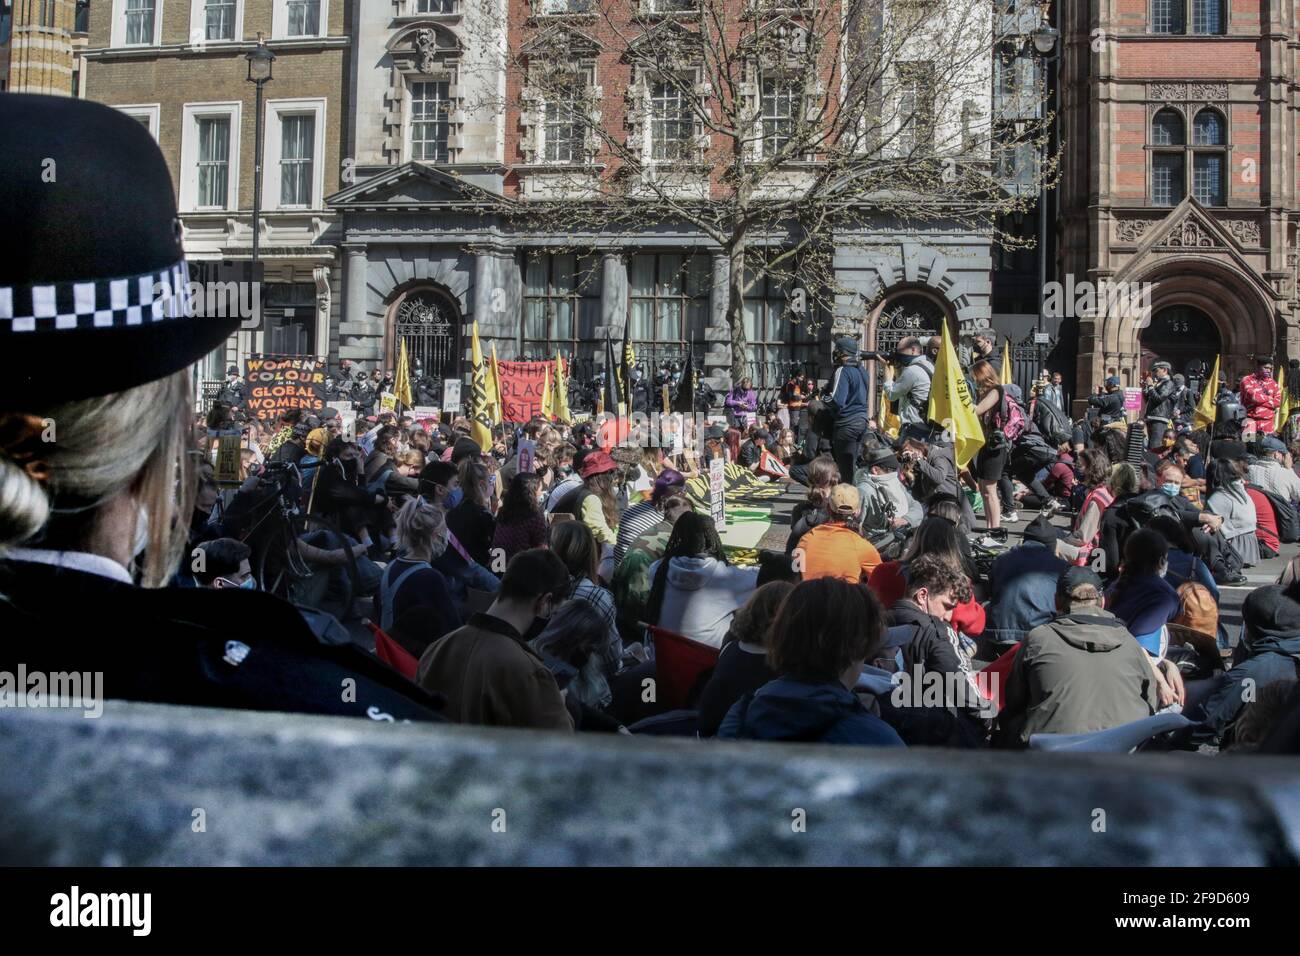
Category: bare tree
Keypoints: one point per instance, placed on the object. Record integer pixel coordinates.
(773, 127)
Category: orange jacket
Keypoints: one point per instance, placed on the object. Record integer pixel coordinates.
(834, 550)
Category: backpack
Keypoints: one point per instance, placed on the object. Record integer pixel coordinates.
(1288, 518)
(1030, 454)
(1010, 419)
(1053, 424)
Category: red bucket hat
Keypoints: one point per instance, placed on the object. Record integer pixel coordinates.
(597, 463)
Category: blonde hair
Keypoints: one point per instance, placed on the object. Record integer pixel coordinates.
(134, 442)
(418, 522)
(1123, 479)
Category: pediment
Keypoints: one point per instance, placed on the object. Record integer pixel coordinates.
(414, 185)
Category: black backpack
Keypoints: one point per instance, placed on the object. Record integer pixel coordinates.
(1052, 423)
(1288, 519)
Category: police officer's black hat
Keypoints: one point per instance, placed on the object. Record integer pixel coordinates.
(93, 281)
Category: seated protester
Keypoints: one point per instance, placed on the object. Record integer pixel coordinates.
(1102, 484)
(1268, 651)
(644, 515)
(836, 549)
(752, 450)
(886, 502)
(1272, 472)
(573, 646)
(1229, 500)
(411, 580)
(1266, 533)
(486, 670)
(1141, 597)
(1186, 454)
(1183, 563)
(592, 500)
(225, 564)
(574, 544)
(932, 463)
(1080, 672)
(439, 481)
(379, 463)
(938, 536)
(823, 475)
(1271, 706)
(404, 479)
(1022, 585)
(338, 493)
(1052, 485)
(742, 666)
(930, 652)
(520, 524)
(693, 590)
(631, 584)
(565, 461)
(471, 521)
(823, 634)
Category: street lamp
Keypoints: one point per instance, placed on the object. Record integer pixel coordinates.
(259, 60)
(1044, 39)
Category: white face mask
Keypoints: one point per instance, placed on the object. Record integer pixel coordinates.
(141, 532)
(1164, 569)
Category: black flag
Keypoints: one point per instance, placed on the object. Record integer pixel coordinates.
(684, 401)
(611, 389)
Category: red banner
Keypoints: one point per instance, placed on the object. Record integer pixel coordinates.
(522, 384)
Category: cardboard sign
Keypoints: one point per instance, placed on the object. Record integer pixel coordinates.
(526, 457)
(388, 402)
(1132, 399)
(277, 383)
(718, 492)
(523, 385)
(348, 418)
(425, 413)
(451, 395)
(229, 448)
(342, 406)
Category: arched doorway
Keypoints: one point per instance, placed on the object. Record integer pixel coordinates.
(904, 313)
(428, 319)
(1186, 338)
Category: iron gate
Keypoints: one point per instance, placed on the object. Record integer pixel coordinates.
(430, 326)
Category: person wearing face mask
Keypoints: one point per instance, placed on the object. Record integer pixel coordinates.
(225, 564)
(486, 669)
(886, 502)
(1141, 597)
(439, 482)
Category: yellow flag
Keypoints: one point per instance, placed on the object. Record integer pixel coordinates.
(548, 399)
(560, 402)
(1006, 363)
(1206, 411)
(890, 423)
(480, 418)
(1283, 410)
(951, 407)
(402, 384)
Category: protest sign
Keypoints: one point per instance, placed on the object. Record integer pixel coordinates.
(229, 447)
(278, 383)
(451, 395)
(388, 402)
(1132, 399)
(527, 456)
(523, 384)
(718, 492)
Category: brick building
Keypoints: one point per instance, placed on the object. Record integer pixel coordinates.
(179, 67)
(40, 44)
(427, 250)
(1179, 118)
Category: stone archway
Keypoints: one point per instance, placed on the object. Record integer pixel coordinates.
(903, 312)
(427, 317)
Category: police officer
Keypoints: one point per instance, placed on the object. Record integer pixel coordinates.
(92, 525)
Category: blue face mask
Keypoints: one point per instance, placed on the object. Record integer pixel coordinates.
(1171, 488)
(454, 498)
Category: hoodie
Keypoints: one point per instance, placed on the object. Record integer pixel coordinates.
(1269, 651)
(885, 498)
(806, 711)
(1079, 673)
(702, 595)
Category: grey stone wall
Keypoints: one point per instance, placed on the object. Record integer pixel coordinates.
(280, 789)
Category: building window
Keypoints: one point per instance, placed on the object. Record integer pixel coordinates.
(916, 112)
(561, 303)
(563, 134)
(219, 19)
(430, 112)
(669, 297)
(299, 18)
(778, 101)
(435, 6)
(776, 341)
(672, 121)
(148, 116)
(140, 16)
(1170, 163)
(297, 146)
(1207, 17)
(557, 7)
(214, 162)
(81, 19)
(289, 311)
(46, 13)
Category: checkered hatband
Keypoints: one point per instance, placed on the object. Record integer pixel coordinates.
(101, 303)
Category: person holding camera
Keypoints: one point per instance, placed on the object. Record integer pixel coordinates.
(911, 388)
(1158, 391)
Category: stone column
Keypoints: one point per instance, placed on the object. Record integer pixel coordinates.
(355, 283)
(613, 294)
(717, 361)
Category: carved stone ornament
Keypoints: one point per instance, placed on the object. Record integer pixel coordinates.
(1207, 91)
(1132, 230)
(1191, 233)
(1245, 231)
(426, 44)
(1167, 92)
